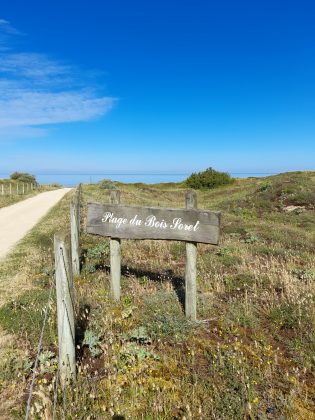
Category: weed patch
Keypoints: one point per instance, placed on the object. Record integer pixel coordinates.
(24, 317)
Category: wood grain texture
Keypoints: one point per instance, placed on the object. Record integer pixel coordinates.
(65, 311)
(191, 266)
(115, 255)
(75, 237)
(120, 221)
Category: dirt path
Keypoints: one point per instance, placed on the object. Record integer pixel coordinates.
(16, 220)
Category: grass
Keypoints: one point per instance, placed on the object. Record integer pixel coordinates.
(25, 276)
(7, 199)
(251, 355)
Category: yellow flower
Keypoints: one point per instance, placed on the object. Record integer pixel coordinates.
(255, 400)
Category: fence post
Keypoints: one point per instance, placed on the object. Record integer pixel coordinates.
(2, 189)
(65, 311)
(79, 194)
(115, 254)
(17, 188)
(10, 188)
(191, 267)
(75, 233)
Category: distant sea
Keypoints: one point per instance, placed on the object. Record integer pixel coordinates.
(71, 179)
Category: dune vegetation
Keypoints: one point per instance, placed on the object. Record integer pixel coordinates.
(249, 355)
(20, 186)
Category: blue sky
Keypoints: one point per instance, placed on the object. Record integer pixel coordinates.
(164, 86)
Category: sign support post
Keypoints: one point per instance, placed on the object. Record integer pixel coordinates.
(190, 224)
(191, 266)
(115, 255)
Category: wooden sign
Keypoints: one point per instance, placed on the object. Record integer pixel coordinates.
(130, 222)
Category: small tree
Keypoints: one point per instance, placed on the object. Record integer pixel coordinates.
(23, 177)
(208, 179)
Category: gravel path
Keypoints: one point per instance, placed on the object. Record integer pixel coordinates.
(16, 220)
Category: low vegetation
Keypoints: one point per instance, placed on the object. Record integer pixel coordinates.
(19, 187)
(250, 355)
(23, 177)
(107, 184)
(208, 179)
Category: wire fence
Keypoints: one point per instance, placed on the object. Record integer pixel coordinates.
(39, 349)
(17, 188)
(62, 264)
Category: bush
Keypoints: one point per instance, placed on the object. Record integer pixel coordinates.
(23, 177)
(207, 179)
(107, 184)
(55, 185)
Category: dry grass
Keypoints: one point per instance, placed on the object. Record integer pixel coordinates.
(8, 200)
(250, 356)
(24, 270)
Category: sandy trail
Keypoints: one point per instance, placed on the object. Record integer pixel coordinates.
(16, 220)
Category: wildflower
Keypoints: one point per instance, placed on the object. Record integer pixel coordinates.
(255, 400)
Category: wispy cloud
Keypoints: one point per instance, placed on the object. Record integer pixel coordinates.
(7, 31)
(32, 66)
(7, 28)
(34, 92)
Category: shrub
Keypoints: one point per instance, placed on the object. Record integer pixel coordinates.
(287, 315)
(207, 179)
(23, 177)
(107, 184)
(56, 185)
(266, 186)
(99, 250)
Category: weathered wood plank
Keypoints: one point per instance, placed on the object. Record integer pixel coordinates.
(131, 222)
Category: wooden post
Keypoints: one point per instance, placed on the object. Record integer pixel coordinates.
(79, 194)
(10, 188)
(191, 267)
(23, 188)
(2, 189)
(65, 311)
(75, 234)
(17, 188)
(115, 255)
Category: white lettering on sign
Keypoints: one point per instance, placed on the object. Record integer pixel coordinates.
(135, 221)
(177, 224)
(150, 222)
(118, 221)
(131, 222)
